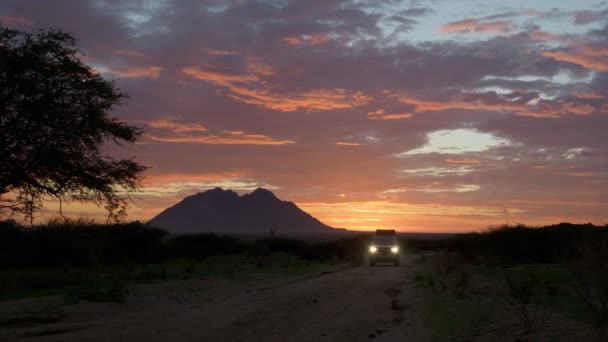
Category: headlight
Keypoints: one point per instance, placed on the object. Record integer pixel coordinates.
(373, 249)
(395, 249)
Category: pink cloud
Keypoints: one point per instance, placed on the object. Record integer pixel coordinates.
(589, 57)
(217, 77)
(217, 52)
(172, 131)
(250, 88)
(129, 53)
(316, 100)
(491, 101)
(462, 161)
(292, 41)
(588, 95)
(344, 143)
(380, 114)
(318, 39)
(177, 127)
(396, 116)
(476, 25)
(136, 72)
(587, 17)
(12, 20)
(246, 139)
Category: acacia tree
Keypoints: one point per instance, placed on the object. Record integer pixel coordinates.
(56, 127)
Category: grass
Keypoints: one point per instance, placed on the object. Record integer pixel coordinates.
(488, 310)
(460, 319)
(247, 267)
(111, 283)
(559, 286)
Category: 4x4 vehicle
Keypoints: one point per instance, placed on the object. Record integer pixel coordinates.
(384, 248)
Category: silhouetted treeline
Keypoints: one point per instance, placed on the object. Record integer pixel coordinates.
(86, 244)
(521, 243)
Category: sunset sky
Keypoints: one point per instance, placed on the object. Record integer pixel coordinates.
(432, 115)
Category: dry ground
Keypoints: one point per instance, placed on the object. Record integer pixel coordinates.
(352, 304)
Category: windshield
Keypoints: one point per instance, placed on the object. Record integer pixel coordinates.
(385, 240)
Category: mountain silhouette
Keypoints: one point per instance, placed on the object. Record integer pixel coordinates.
(224, 211)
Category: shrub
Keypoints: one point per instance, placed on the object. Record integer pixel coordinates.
(80, 243)
(523, 299)
(592, 275)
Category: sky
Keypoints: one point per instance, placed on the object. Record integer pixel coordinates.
(421, 115)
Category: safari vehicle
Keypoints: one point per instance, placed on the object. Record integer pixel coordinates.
(384, 247)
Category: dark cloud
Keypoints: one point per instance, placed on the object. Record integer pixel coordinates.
(417, 12)
(276, 84)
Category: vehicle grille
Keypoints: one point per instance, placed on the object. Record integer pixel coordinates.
(384, 250)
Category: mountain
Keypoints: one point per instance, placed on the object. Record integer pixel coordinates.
(224, 211)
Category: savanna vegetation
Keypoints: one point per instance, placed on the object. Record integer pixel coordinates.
(517, 283)
(80, 259)
(507, 283)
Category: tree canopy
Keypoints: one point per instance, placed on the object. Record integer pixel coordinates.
(56, 127)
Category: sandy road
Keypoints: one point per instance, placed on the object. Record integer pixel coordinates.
(355, 304)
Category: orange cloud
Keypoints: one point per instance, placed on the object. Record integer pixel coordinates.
(220, 52)
(246, 139)
(380, 114)
(543, 36)
(596, 51)
(292, 41)
(578, 108)
(462, 161)
(235, 132)
(587, 95)
(129, 53)
(313, 39)
(541, 109)
(589, 57)
(581, 174)
(216, 77)
(344, 143)
(371, 215)
(318, 100)
(176, 126)
(424, 105)
(256, 67)
(396, 116)
(318, 39)
(189, 132)
(15, 20)
(476, 25)
(137, 72)
(251, 88)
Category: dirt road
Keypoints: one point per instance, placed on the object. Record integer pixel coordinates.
(353, 304)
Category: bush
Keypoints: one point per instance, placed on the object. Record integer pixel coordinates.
(78, 243)
(82, 243)
(201, 246)
(523, 299)
(114, 291)
(592, 277)
(515, 244)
